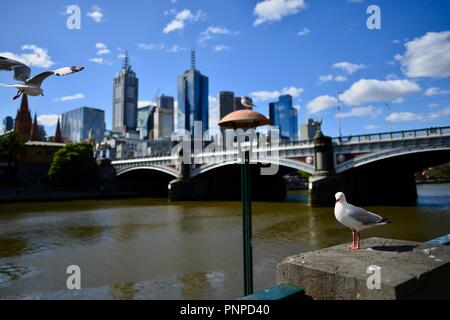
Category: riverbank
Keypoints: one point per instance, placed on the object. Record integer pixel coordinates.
(50, 194)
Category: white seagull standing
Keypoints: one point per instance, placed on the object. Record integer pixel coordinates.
(30, 86)
(247, 102)
(356, 219)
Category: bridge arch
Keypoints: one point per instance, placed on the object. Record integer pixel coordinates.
(402, 153)
(170, 171)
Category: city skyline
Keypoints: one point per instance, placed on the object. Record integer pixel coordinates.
(242, 49)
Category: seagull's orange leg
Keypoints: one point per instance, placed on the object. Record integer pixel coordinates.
(352, 247)
(358, 240)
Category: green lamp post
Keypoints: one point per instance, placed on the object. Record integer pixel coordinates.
(245, 119)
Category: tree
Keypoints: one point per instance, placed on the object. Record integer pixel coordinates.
(12, 145)
(74, 165)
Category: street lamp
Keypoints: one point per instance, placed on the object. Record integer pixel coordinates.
(245, 119)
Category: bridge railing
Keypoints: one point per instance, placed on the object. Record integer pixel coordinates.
(385, 136)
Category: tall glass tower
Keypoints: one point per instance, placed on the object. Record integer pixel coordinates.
(193, 92)
(125, 99)
(284, 116)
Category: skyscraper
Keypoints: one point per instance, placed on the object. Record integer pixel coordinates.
(145, 121)
(76, 124)
(8, 124)
(125, 99)
(163, 118)
(193, 93)
(226, 103)
(309, 129)
(284, 116)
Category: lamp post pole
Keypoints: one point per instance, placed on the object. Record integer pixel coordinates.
(247, 223)
(245, 119)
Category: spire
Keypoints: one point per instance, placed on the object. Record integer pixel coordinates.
(193, 59)
(34, 135)
(58, 135)
(126, 61)
(23, 121)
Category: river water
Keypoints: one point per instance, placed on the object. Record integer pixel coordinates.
(154, 249)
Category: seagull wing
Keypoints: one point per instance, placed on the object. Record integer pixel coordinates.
(21, 71)
(37, 80)
(363, 216)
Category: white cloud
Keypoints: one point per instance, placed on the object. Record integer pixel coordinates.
(304, 32)
(48, 119)
(151, 46)
(76, 96)
(179, 22)
(409, 116)
(220, 48)
(434, 91)
(214, 114)
(427, 56)
(271, 95)
(365, 91)
(362, 112)
(275, 10)
(403, 117)
(102, 48)
(145, 103)
(38, 57)
(322, 103)
(212, 31)
(99, 60)
(372, 127)
(175, 48)
(348, 67)
(96, 14)
(330, 77)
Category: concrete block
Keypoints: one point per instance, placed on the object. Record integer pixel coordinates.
(409, 270)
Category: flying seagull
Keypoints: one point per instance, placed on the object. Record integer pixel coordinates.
(356, 219)
(30, 86)
(247, 102)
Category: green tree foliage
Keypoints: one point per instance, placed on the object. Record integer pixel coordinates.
(11, 145)
(74, 165)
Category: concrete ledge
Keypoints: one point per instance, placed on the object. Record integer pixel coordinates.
(409, 270)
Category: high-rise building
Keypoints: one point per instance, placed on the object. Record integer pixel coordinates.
(7, 124)
(193, 93)
(309, 129)
(163, 121)
(23, 122)
(76, 124)
(284, 116)
(226, 103)
(125, 99)
(145, 121)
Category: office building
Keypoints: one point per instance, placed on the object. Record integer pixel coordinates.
(7, 124)
(193, 94)
(309, 129)
(284, 116)
(145, 121)
(163, 119)
(226, 103)
(76, 124)
(125, 100)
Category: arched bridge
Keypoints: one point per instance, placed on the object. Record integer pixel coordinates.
(341, 159)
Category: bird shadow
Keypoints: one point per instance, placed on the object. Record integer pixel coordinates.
(401, 248)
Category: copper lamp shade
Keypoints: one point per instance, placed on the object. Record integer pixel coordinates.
(243, 119)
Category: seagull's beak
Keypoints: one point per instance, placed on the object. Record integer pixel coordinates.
(337, 200)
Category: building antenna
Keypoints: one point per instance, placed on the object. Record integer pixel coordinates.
(193, 59)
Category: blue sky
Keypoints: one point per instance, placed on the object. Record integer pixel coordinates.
(317, 50)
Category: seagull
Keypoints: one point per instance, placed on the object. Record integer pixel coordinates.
(355, 218)
(30, 86)
(247, 102)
